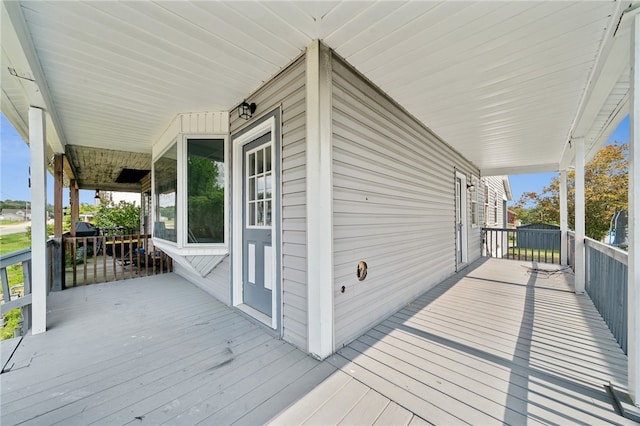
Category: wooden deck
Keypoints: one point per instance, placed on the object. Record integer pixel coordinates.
(497, 344)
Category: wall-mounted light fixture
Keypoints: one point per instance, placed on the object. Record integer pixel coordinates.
(471, 187)
(246, 110)
(97, 196)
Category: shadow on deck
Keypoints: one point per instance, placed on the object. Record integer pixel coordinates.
(499, 343)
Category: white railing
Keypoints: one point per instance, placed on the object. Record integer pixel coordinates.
(18, 295)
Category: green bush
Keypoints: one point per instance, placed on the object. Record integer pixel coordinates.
(13, 321)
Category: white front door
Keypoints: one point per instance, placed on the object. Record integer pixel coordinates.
(461, 220)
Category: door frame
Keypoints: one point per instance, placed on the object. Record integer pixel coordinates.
(268, 123)
(461, 206)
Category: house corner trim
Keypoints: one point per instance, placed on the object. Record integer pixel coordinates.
(319, 190)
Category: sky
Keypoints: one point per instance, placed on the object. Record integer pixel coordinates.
(14, 170)
(536, 182)
(14, 176)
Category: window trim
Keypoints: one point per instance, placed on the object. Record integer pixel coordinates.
(495, 207)
(153, 193)
(183, 186)
(268, 124)
(475, 218)
(181, 246)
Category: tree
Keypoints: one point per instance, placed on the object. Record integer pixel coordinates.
(121, 215)
(606, 183)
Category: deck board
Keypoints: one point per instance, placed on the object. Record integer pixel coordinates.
(496, 344)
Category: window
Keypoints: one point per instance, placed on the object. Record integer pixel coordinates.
(474, 202)
(165, 171)
(205, 191)
(485, 213)
(259, 187)
(495, 207)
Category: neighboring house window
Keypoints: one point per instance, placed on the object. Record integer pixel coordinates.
(474, 202)
(495, 207)
(485, 213)
(165, 185)
(205, 190)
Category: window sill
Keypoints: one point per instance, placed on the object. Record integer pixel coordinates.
(173, 250)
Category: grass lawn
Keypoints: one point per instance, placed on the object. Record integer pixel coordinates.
(10, 243)
(535, 254)
(13, 242)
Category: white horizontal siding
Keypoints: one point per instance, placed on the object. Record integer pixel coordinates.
(204, 265)
(393, 203)
(216, 282)
(205, 123)
(287, 90)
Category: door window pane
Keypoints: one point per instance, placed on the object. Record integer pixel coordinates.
(252, 164)
(259, 187)
(267, 159)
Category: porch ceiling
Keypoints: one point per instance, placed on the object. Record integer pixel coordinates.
(505, 83)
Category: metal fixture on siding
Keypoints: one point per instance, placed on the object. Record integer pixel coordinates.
(246, 110)
(361, 271)
(97, 196)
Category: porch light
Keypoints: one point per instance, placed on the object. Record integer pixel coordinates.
(97, 196)
(471, 187)
(246, 110)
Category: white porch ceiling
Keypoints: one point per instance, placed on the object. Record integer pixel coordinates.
(502, 82)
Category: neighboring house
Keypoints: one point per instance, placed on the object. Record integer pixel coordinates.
(496, 191)
(16, 215)
(387, 191)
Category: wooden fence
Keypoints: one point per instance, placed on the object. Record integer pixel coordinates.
(107, 258)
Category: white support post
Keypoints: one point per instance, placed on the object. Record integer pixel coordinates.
(633, 292)
(564, 217)
(580, 215)
(319, 201)
(38, 220)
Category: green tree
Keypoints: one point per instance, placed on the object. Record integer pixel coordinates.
(606, 183)
(205, 200)
(123, 214)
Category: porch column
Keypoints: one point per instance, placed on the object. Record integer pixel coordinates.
(58, 180)
(74, 200)
(37, 148)
(564, 217)
(580, 257)
(319, 201)
(633, 325)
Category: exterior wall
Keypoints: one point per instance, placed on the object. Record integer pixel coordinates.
(492, 196)
(215, 282)
(495, 186)
(393, 203)
(287, 91)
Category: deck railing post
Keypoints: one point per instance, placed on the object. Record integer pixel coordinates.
(633, 279)
(580, 216)
(564, 217)
(58, 264)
